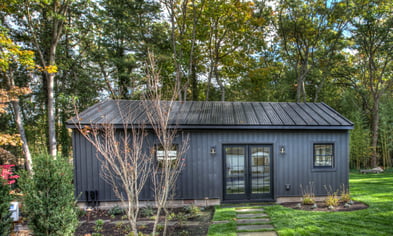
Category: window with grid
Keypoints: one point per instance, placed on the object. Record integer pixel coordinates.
(323, 155)
(169, 155)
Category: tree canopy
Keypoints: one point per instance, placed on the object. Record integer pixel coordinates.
(57, 54)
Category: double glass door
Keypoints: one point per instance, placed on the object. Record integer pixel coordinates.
(247, 172)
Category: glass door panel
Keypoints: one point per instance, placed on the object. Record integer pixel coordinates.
(247, 172)
(260, 169)
(235, 169)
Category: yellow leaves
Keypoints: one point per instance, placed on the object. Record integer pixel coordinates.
(2, 108)
(10, 95)
(51, 69)
(10, 139)
(11, 53)
(86, 130)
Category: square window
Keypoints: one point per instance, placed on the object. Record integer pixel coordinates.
(323, 155)
(166, 155)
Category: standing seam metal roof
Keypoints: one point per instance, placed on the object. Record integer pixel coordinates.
(199, 114)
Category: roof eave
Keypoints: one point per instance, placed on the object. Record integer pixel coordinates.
(236, 127)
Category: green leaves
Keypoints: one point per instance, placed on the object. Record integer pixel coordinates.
(5, 203)
(49, 197)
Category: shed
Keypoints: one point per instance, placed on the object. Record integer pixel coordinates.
(238, 151)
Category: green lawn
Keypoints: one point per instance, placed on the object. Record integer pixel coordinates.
(376, 190)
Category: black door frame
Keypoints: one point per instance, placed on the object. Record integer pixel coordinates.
(248, 195)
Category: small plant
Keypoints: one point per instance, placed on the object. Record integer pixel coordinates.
(181, 217)
(184, 233)
(192, 210)
(80, 212)
(147, 211)
(119, 225)
(142, 227)
(99, 225)
(127, 229)
(116, 210)
(345, 196)
(332, 199)
(308, 196)
(160, 228)
(172, 216)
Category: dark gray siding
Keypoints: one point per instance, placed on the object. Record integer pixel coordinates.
(202, 175)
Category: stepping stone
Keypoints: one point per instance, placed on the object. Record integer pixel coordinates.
(220, 222)
(256, 215)
(250, 210)
(252, 221)
(254, 227)
(268, 233)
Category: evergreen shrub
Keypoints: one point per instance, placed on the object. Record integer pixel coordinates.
(5, 203)
(48, 201)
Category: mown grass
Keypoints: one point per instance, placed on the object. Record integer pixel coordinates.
(376, 190)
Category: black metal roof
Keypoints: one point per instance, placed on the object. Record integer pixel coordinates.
(220, 115)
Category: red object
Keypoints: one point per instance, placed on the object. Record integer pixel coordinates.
(6, 173)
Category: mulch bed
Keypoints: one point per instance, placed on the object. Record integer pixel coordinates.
(117, 225)
(321, 206)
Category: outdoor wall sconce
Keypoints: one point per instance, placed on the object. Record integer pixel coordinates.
(213, 150)
(287, 187)
(282, 150)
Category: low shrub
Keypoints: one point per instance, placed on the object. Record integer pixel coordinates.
(147, 211)
(116, 210)
(308, 196)
(192, 210)
(99, 226)
(345, 196)
(332, 199)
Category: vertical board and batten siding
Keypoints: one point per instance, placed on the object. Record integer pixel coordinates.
(202, 176)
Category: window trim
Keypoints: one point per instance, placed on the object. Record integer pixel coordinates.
(159, 160)
(333, 155)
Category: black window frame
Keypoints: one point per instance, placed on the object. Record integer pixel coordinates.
(333, 156)
(158, 147)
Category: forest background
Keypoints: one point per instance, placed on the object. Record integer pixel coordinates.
(56, 55)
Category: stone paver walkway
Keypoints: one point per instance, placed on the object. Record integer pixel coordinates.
(253, 222)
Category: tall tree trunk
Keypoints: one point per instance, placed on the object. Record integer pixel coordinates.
(21, 129)
(51, 115)
(194, 83)
(19, 123)
(374, 133)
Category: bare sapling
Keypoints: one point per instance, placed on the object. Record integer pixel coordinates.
(125, 164)
(171, 144)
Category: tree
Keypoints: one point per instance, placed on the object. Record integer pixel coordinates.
(372, 32)
(13, 58)
(168, 168)
(127, 163)
(41, 24)
(228, 28)
(48, 199)
(121, 34)
(124, 162)
(310, 34)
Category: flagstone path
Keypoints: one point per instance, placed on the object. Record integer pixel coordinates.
(253, 222)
